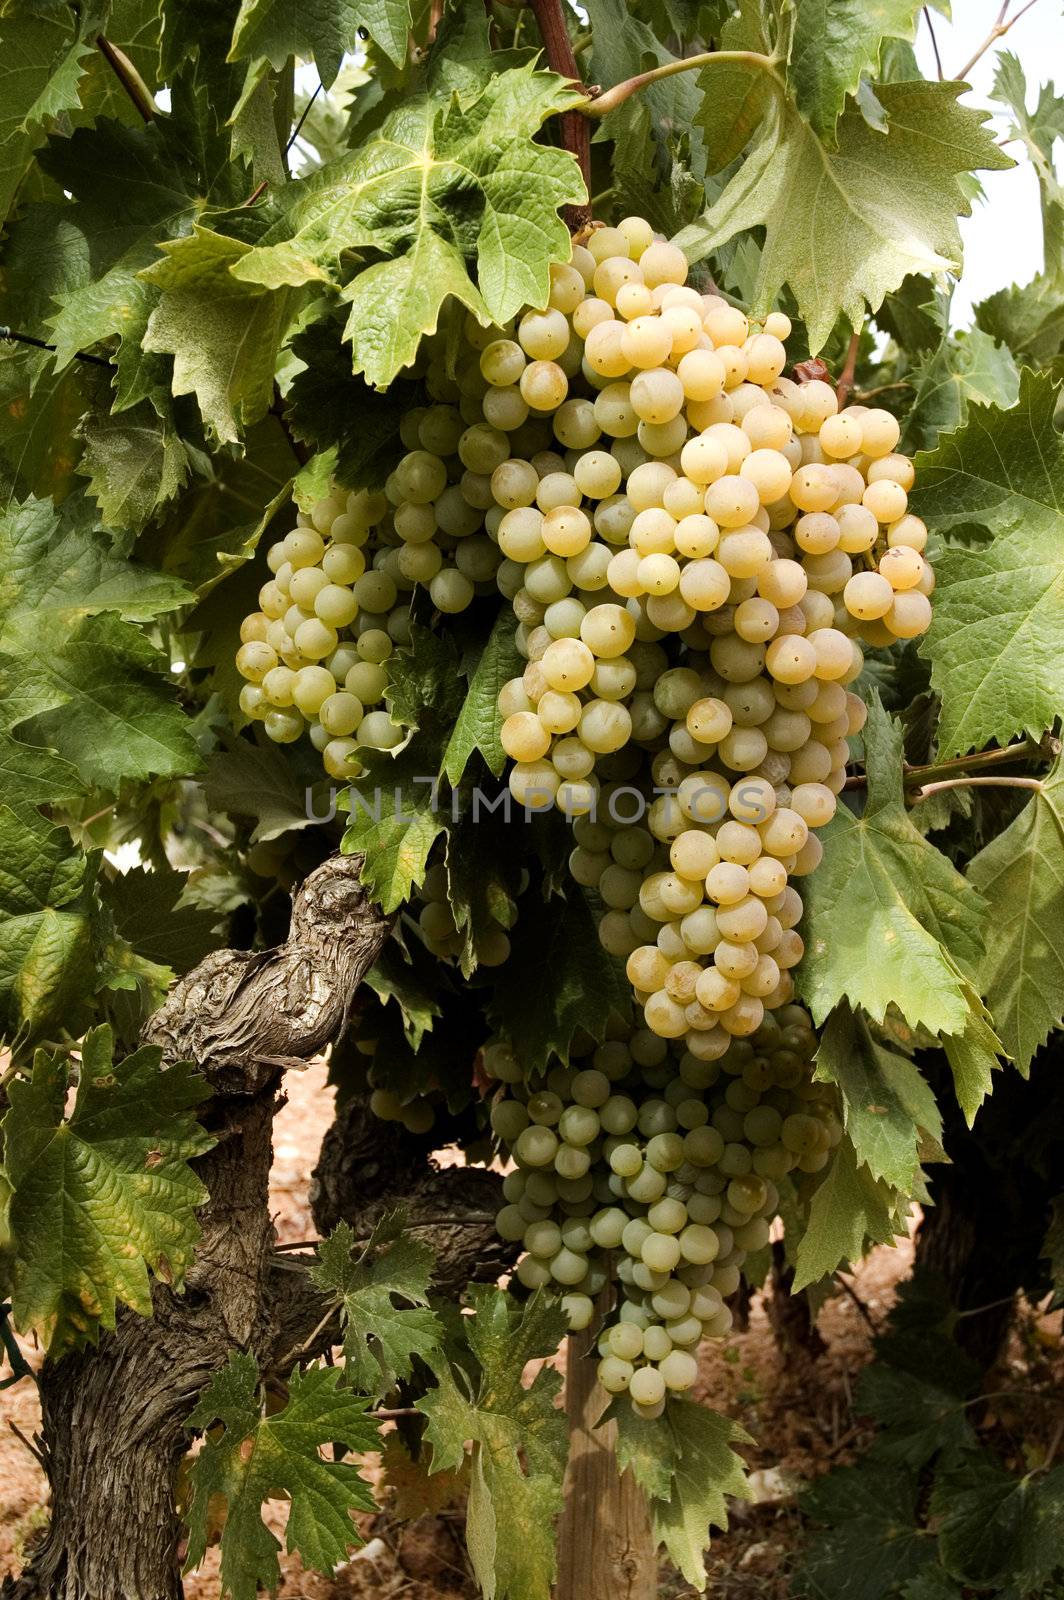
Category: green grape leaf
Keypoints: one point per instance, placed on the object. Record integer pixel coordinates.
(1053, 1248)
(424, 683)
(967, 368)
(889, 1110)
(1029, 318)
(271, 31)
(519, 1442)
(1021, 874)
(256, 780)
(102, 1195)
(42, 60)
(476, 726)
(918, 1417)
(686, 1464)
(135, 462)
(996, 1530)
(395, 819)
(913, 926)
(223, 334)
(578, 985)
(849, 1208)
(148, 914)
(835, 43)
(380, 1338)
(873, 1541)
(263, 1453)
(843, 228)
(71, 667)
(41, 409)
(1039, 130)
(46, 925)
(393, 196)
(996, 643)
(483, 880)
(330, 407)
(395, 975)
(973, 1056)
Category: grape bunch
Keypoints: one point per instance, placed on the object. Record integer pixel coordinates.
(657, 1168)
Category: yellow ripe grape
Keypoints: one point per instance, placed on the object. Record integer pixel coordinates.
(558, 711)
(283, 725)
(782, 582)
(756, 620)
(696, 536)
(850, 484)
(336, 605)
(341, 713)
(908, 530)
(273, 600)
(612, 273)
(731, 501)
(656, 395)
(647, 342)
(715, 991)
(566, 530)
(568, 664)
(634, 300)
(726, 325)
(662, 438)
(312, 687)
(653, 532)
(791, 659)
(608, 630)
(770, 473)
(704, 460)
(879, 433)
(543, 385)
(520, 534)
(705, 584)
(613, 411)
(524, 737)
(589, 313)
(735, 961)
(898, 468)
(663, 263)
(254, 628)
(575, 425)
(542, 335)
(909, 616)
(840, 436)
(605, 726)
(767, 427)
(684, 324)
(902, 567)
(828, 573)
(343, 563)
(605, 242)
(682, 498)
(623, 573)
(814, 487)
(603, 350)
(885, 499)
(743, 552)
(303, 547)
(703, 414)
(766, 358)
(659, 573)
(834, 653)
(735, 365)
(768, 877)
(339, 758)
(566, 287)
(778, 324)
(858, 529)
(255, 659)
(637, 233)
(278, 684)
(702, 374)
(868, 596)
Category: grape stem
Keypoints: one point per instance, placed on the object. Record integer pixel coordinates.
(1046, 749)
(15, 337)
(600, 105)
(844, 388)
(971, 783)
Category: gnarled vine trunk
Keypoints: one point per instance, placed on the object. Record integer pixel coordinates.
(113, 1415)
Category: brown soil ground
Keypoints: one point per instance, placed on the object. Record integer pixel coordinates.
(797, 1407)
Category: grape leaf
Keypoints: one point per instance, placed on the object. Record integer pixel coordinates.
(889, 1111)
(913, 926)
(849, 1208)
(104, 1194)
(46, 924)
(835, 43)
(578, 985)
(256, 780)
(997, 1529)
(397, 195)
(395, 976)
(42, 59)
(686, 1464)
(148, 914)
(519, 1442)
(973, 1056)
(41, 409)
(996, 643)
(1021, 874)
(135, 462)
(873, 1541)
(967, 368)
(476, 726)
(843, 228)
(223, 334)
(395, 819)
(1039, 130)
(918, 1416)
(263, 1453)
(268, 32)
(483, 880)
(329, 406)
(380, 1338)
(71, 666)
(1029, 318)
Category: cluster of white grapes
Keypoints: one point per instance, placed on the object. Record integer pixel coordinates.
(700, 500)
(660, 1170)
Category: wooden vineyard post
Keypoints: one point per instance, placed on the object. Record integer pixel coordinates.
(605, 1547)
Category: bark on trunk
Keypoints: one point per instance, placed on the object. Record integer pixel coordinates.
(606, 1550)
(113, 1415)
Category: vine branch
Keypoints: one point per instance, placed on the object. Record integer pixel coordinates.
(844, 387)
(972, 783)
(13, 336)
(600, 105)
(998, 31)
(1047, 749)
(576, 136)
